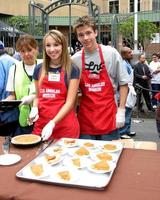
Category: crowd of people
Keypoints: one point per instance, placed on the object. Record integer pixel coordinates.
(48, 87)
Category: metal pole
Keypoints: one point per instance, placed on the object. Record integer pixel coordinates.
(90, 11)
(135, 26)
(29, 17)
(14, 41)
(70, 28)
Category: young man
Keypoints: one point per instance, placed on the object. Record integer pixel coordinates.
(102, 73)
(125, 131)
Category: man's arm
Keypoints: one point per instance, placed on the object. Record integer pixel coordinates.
(123, 92)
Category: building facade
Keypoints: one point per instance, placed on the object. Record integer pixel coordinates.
(59, 18)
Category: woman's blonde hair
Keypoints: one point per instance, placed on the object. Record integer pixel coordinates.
(65, 57)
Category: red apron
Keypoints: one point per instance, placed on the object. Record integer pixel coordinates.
(97, 111)
(52, 96)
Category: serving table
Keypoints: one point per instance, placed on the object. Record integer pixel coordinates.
(136, 177)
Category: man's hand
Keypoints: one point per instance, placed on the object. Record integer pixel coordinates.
(120, 117)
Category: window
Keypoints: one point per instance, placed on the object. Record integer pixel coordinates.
(132, 5)
(156, 5)
(114, 6)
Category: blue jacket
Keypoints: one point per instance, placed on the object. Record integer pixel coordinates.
(6, 61)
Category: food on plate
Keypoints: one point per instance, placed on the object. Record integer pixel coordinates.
(82, 152)
(37, 169)
(50, 158)
(110, 147)
(26, 139)
(69, 142)
(57, 149)
(88, 144)
(102, 165)
(65, 175)
(76, 162)
(104, 156)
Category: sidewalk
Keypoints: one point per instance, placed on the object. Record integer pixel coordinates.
(146, 130)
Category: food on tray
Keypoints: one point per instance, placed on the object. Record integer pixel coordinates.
(52, 159)
(37, 169)
(102, 165)
(57, 150)
(104, 156)
(76, 162)
(110, 147)
(82, 152)
(26, 139)
(65, 175)
(69, 142)
(88, 144)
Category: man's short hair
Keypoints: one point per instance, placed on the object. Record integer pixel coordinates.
(84, 21)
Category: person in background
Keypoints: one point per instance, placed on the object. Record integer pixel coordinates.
(17, 56)
(20, 83)
(125, 131)
(56, 81)
(101, 73)
(157, 97)
(154, 67)
(142, 77)
(8, 119)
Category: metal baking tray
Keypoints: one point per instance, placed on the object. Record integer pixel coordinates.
(82, 177)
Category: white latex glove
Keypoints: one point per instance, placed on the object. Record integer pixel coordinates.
(120, 117)
(47, 130)
(33, 116)
(27, 99)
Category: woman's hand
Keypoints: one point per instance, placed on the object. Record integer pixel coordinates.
(47, 130)
(33, 116)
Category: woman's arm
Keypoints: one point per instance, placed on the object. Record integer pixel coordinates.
(35, 101)
(70, 100)
(33, 116)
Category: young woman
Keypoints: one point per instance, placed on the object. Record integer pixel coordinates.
(20, 84)
(56, 82)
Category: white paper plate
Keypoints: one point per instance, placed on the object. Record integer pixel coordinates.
(74, 176)
(118, 146)
(27, 172)
(58, 158)
(75, 152)
(69, 142)
(70, 162)
(111, 168)
(9, 159)
(103, 155)
(55, 150)
(89, 145)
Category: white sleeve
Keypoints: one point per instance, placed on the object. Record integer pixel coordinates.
(10, 82)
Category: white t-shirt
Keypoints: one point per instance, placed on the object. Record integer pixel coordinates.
(10, 83)
(153, 66)
(113, 62)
